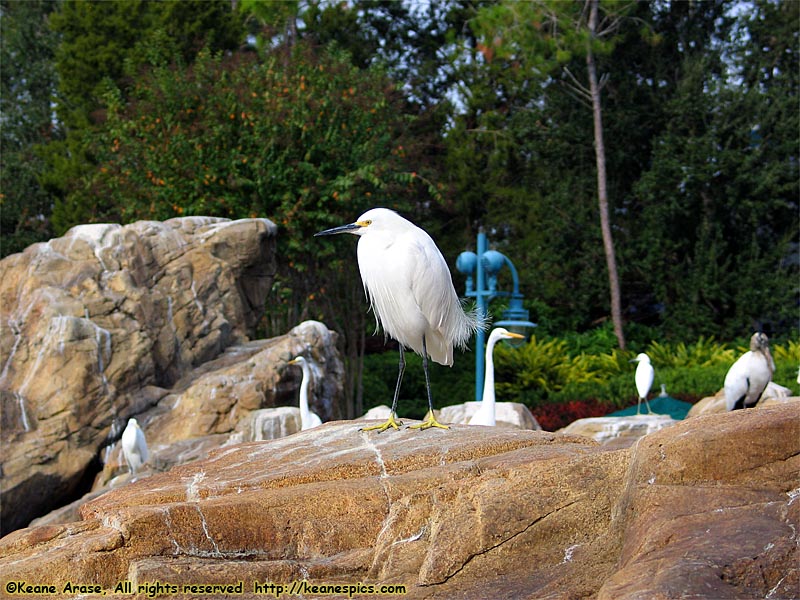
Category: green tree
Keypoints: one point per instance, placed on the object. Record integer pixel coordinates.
(104, 43)
(309, 144)
(547, 35)
(723, 188)
(28, 82)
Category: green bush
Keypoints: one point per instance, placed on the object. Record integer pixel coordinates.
(553, 371)
(449, 385)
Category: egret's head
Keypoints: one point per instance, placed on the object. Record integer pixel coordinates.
(641, 358)
(500, 333)
(297, 361)
(371, 219)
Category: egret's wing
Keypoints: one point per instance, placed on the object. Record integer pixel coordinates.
(387, 270)
(141, 445)
(432, 290)
(432, 285)
(644, 378)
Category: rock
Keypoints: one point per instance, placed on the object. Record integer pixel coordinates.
(705, 508)
(150, 320)
(773, 390)
(711, 509)
(70, 513)
(773, 394)
(377, 413)
(619, 431)
(709, 405)
(773, 400)
(218, 394)
(270, 423)
(508, 414)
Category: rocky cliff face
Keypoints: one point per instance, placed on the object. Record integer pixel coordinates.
(706, 508)
(150, 319)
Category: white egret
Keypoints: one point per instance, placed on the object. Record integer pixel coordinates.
(644, 380)
(748, 377)
(410, 290)
(308, 419)
(486, 413)
(134, 446)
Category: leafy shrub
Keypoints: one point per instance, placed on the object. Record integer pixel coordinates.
(560, 384)
(236, 137)
(552, 417)
(704, 353)
(542, 365)
(789, 353)
(449, 385)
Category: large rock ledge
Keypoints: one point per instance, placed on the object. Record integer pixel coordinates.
(707, 508)
(149, 320)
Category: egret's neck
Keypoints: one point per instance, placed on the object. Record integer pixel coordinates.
(304, 391)
(488, 379)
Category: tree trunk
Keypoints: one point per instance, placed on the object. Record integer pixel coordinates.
(602, 193)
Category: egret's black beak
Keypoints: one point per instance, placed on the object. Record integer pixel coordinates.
(341, 229)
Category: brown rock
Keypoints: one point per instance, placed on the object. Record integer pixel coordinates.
(706, 508)
(773, 394)
(213, 398)
(618, 431)
(109, 322)
(710, 509)
(507, 414)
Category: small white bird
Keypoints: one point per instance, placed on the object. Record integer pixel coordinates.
(644, 380)
(485, 415)
(308, 419)
(748, 377)
(134, 446)
(410, 290)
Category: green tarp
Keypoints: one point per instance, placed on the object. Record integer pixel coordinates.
(663, 405)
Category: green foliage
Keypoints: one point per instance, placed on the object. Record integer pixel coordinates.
(704, 353)
(308, 144)
(703, 192)
(555, 371)
(449, 385)
(545, 366)
(108, 40)
(109, 43)
(786, 353)
(28, 82)
(700, 114)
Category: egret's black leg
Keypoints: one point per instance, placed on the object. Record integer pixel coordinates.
(391, 422)
(427, 375)
(430, 420)
(401, 370)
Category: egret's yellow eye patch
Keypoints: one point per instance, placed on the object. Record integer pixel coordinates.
(366, 223)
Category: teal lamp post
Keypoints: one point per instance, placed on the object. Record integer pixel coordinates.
(481, 270)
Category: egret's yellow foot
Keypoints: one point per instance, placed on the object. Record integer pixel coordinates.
(430, 421)
(390, 422)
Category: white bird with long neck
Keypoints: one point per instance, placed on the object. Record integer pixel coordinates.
(134, 446)
(486, 413)
(411, 293)
(644, 380)
(748, 377)
(308, 419)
